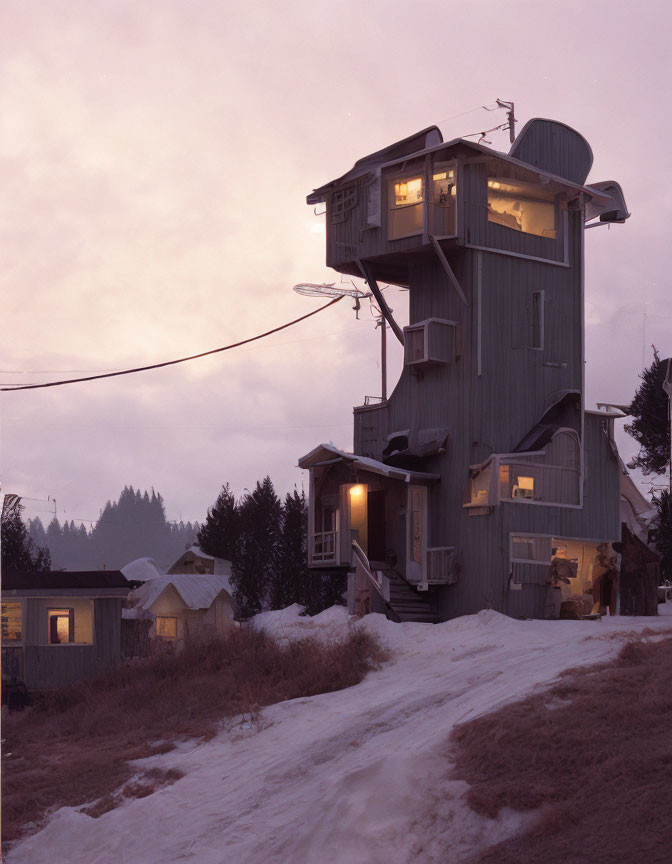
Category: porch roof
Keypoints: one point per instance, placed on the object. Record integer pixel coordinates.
(325, 454)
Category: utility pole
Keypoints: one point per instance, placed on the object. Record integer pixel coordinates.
(667, 387)
(383, 356)
(510, 116)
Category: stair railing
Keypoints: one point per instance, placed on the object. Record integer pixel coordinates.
(363, 569)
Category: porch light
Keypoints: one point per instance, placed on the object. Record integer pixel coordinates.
(356, 491)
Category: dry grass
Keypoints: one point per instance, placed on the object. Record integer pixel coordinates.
(73, 747)
(593, 755)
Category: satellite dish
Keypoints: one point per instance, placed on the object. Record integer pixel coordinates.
(329, 289)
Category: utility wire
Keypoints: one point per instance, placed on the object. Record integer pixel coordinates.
(173, 362)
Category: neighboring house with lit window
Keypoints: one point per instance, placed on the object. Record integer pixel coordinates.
(196, 604)
(483, 480)
(61, 626)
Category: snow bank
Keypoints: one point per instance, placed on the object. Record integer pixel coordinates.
(360, 775)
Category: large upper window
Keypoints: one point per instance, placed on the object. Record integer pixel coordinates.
(406, 198)
(521, 206)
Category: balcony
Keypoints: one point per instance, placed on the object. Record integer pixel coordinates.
(370, 430)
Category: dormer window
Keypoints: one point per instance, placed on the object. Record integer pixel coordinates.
(406, 197)
(525, 207)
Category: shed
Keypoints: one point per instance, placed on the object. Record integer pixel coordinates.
(60, 626)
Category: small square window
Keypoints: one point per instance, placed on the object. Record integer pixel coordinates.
(166, 627)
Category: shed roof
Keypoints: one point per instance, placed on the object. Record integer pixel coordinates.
(325, 453)
(76, 580)
(197, 590)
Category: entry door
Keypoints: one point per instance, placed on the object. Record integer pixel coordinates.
(376, 527)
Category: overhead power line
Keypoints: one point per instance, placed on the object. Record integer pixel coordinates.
(172, 362)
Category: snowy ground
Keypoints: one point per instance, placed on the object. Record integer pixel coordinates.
(361, 775)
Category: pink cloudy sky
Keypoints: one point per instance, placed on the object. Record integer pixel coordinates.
(155, 159)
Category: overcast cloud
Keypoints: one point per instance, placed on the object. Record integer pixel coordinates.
(155, 158)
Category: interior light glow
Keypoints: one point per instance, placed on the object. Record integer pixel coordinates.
(526, 483)
(441, 176)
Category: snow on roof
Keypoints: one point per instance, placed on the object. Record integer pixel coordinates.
(141, 570)
(222, 567)
(197, 590)
(328, 453)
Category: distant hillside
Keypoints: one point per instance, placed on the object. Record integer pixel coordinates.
(131, 527)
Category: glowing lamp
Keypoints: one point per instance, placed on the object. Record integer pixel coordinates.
(356, 491)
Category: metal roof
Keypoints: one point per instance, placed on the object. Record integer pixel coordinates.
(197, 590)
(75, 580)
(363, 166)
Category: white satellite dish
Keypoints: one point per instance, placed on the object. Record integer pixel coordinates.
(329, 289)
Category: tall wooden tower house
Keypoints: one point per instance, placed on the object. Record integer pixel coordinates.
(482, 481)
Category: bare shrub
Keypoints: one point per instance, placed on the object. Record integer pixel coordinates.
(593, 755)
(73, 747)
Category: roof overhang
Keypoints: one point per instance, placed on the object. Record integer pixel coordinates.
(602, 199)
(327, 454)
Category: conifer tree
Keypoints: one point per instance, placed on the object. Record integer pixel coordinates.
(651, 425)
(219, 535)
(661, 533)
(255, 563)
(18, 550)
(289, 582)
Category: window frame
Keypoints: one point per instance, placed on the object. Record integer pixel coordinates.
(54, 612)
(541, 294)
(555, 204)
(13, 643)
(391, 206)
(165, 618)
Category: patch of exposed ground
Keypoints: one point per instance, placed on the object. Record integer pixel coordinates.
(74, 747)
(592, 756)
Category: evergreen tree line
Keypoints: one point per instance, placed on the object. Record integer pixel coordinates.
(132, 527)
(265, 539)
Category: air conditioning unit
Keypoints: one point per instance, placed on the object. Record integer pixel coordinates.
(441, 566)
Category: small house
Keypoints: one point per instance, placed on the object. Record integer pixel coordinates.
(61, 626)
(193, 600)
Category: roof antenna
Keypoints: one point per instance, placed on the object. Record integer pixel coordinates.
(511, 118)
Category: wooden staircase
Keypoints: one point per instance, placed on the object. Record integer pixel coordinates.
(406, 603)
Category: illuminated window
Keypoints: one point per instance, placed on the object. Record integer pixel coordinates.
(523, 487)
(11, 622)
(525, 207)
(479, 488)
(166, 627)
(405, 207)
(61, 626)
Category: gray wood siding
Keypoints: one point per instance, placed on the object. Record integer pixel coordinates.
(494, 411)
(55, 665)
